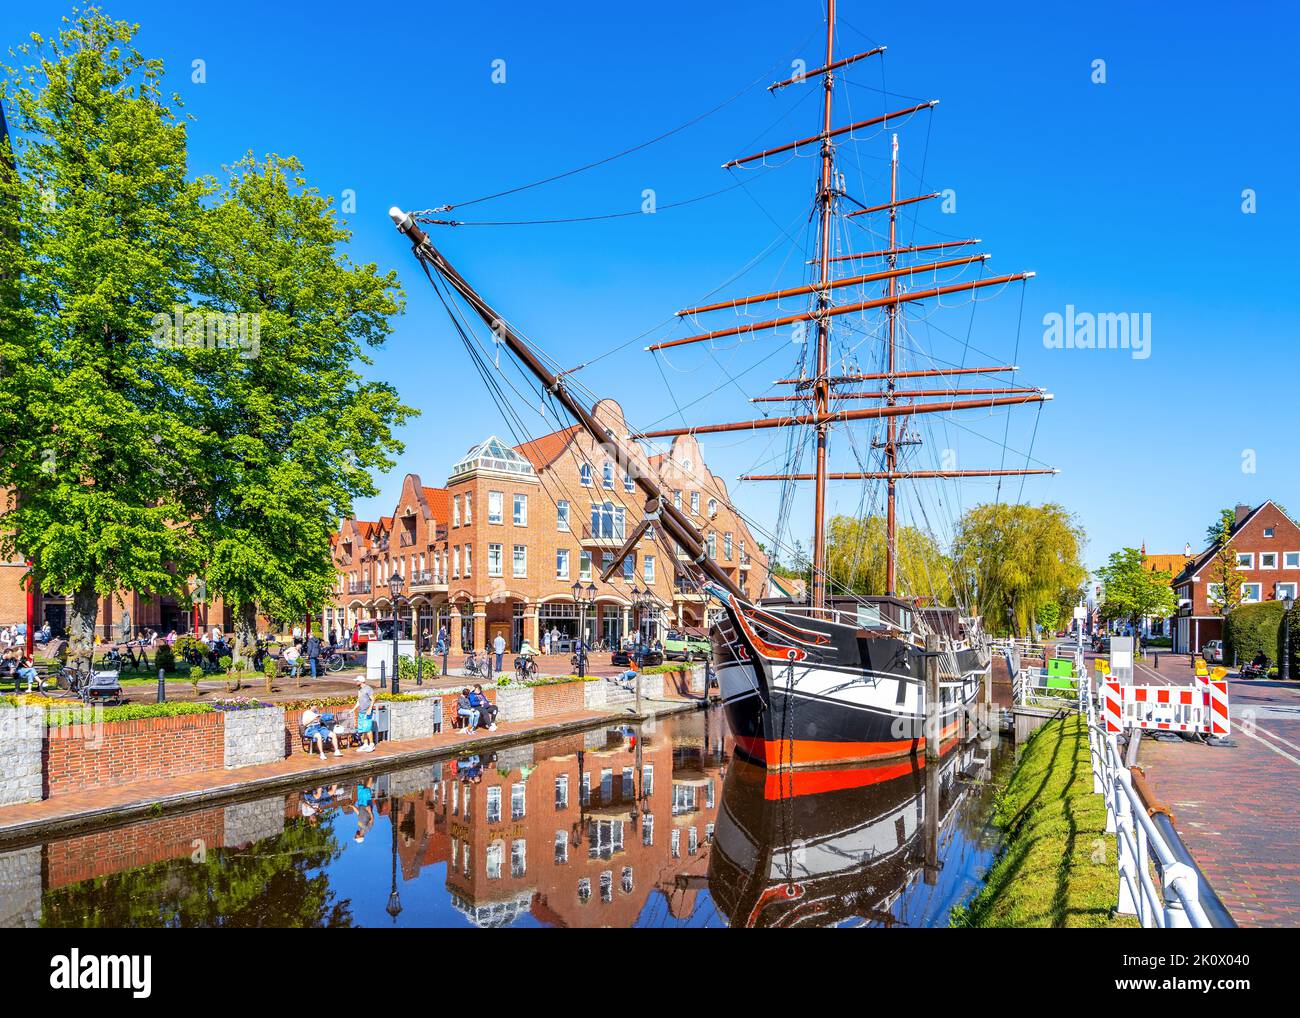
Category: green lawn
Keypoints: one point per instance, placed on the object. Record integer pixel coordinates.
(1058, 864)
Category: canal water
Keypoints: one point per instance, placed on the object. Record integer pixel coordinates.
(658, 826)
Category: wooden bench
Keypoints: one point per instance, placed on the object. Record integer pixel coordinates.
(344, 727)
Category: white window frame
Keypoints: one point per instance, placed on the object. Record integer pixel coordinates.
(607, 476)
(1268, 531)
(455, 562)
(1214, 593)
(519, 561)
(1289, 565)
(499, 551)
(1259, 593)
(496, 508)
(561, 563)
(469, 508)
(584, 475)
(695, 503)
(1249, 556)
(584, 566)
(455, 511)
(628, 484)
(648, 568)
(1282, 589)
(562, 516)
(1266, 554)
(469, 561)
(519, 509)
(494, 804)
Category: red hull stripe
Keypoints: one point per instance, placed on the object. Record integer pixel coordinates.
(776, 753)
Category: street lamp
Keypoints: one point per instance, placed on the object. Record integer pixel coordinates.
(581, 599)
(395, 588)
(1288, 603)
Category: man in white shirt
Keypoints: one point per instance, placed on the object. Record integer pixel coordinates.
(499, 649)
(318, 732)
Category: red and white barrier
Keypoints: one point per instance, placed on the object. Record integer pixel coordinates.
(1113, 706)
(1201, 707)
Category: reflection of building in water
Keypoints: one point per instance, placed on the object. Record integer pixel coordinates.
(584, 837)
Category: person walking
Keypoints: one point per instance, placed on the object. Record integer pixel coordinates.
(499, 649)
(313, 653)
(365, 715)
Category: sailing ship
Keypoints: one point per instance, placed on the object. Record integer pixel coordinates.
(837, 677)
(820, 847)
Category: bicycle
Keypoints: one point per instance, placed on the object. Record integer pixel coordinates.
(476, 667)
(525, 669)
(334, 662)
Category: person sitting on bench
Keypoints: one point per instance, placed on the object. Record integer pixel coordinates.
(318, 728)
(487, 710)
(465, 708)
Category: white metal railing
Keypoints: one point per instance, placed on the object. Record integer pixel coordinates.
(1030, 685)
(1176, 902)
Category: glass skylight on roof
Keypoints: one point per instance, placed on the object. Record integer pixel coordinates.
(493, 454)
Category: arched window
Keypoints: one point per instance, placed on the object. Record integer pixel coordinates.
(584, 475)
(607, 475)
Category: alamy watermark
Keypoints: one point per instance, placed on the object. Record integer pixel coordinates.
(1083, 330)
(186, 329)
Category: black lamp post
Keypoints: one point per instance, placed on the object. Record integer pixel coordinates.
(395, 582)
(582, 598)
(1288, 603)
(394, 907)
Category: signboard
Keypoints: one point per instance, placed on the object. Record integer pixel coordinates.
(1081, 613)
(1121, 658)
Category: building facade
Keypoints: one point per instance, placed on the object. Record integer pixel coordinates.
(502, 546)
(1266, 542)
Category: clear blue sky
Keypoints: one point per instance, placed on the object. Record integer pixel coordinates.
(1123, 197)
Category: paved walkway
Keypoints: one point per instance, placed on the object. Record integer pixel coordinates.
(1237, 809)
(28, 821)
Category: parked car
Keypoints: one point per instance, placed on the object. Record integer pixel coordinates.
(645, 657)
(1212, 651)
(687, 644)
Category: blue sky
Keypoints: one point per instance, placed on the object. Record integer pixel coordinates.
(1123, 197)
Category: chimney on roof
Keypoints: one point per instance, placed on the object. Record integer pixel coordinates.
(1242, 512)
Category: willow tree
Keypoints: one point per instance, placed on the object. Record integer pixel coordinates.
(289, 429)
(96, 220)
(1010, 559)
(855, 560)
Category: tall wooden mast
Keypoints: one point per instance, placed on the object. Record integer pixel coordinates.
(891, 435)
(814, 389)
(821, 388)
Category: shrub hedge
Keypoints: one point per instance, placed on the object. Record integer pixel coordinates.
(1252, 628)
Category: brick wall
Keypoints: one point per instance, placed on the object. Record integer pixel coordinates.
(72, 860)
(119, 752)
(562, 699)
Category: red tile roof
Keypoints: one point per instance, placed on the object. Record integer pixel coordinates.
(439, 500)
(542, 452)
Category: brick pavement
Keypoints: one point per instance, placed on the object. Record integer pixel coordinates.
(1238, 809)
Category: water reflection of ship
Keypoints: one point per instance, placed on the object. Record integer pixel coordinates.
(817, 847)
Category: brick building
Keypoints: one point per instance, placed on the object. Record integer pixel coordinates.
(584, 837)
(1267, 546)
(499, 548)
(124, 613)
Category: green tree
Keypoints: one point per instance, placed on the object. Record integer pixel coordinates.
(96, 221)
(855, 560)
(1009, 559)
(1131, 592)
(290, 429)
(1222, 567)
(1049, 615)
